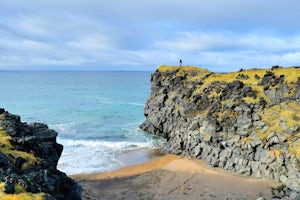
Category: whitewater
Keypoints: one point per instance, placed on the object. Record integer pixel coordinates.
(96, 114)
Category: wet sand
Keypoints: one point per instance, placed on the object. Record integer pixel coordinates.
(172, 177)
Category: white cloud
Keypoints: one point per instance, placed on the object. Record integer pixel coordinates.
(147, 33)
(92, 42)
(225, 41)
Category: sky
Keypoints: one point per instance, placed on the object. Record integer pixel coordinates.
(220, 35)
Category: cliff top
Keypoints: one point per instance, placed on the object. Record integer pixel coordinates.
(246, 121)
(276, 89)
(252, 75)
(251, 78)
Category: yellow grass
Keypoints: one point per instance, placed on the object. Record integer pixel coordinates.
(286, 112)
(195, 73)
(250, 100)
(289, 112)
(262, 136)
(291, 74)
(165, 68)
(246, 140)
(7, 148)
(295, 148)
(273, 115)
(20, 194)
(230, 77)
(13, 154)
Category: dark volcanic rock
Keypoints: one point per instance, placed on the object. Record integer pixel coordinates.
(240, 122)
(29, 159)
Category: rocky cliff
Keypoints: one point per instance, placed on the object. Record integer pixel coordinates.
(28, 159)
(247, 122)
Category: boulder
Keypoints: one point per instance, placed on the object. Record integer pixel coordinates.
(28, 157)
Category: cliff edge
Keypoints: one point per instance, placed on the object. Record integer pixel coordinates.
(246, 122)
(28, 162)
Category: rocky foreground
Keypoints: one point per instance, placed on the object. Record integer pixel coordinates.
(28, 162)
(246, 122)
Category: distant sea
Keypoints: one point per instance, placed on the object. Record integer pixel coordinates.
(96, 114)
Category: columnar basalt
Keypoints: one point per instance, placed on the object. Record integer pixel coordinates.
(246, 122)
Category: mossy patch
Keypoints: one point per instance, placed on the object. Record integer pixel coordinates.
(7, 148)
(20, 194)
(280, 118)
(262, 135)
(288, 113)
(169, 68)
(250, 100)
(194, 73)
(12, 153)
(251, 80)
(246, 140)
(291, 74)
(294, 148)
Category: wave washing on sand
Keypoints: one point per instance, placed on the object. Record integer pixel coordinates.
(96, 114)
(87, 156)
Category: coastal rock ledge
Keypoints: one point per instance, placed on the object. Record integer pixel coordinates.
(247, 122)
(28, 162)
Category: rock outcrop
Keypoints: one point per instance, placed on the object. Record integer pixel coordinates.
(247, 122)
(28, 162)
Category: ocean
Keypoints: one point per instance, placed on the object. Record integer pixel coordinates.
(96, 114)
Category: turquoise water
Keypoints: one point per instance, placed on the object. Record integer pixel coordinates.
(95, 113)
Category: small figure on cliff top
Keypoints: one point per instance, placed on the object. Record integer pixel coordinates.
(180, 63)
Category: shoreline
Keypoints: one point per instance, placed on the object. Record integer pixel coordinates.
(139, 156)
(172, 177)
(129, 170)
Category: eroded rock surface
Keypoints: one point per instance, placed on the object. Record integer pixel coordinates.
(28, 161)
(246, 122)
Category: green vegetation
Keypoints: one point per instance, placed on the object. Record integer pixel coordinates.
(12, 153)
(280, 117)
(20, 194)
(168, 68)
(251, 78)
(288, 113)
(295, 148)
(283, 113)
(246, 140)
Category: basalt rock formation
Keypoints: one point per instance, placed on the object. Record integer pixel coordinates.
(247, 122)
(28, 162)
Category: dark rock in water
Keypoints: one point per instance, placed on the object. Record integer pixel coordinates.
(245, 122)
(28, 157)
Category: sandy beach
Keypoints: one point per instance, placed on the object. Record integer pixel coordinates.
(172, 177)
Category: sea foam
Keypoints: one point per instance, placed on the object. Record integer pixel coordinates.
(87, 156)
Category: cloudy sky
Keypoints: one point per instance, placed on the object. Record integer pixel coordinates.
(221, 35)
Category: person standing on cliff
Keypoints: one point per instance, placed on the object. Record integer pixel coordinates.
(180, 63)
